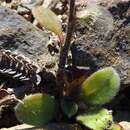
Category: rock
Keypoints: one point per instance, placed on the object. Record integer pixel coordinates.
(125, 125)
(103, 2)
(97, 17)
(97, 50)
(58, 6)
(31, 3)
(55, 5)
(18, 35)
(49, 3)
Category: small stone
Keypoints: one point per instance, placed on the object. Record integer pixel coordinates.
(125, 125)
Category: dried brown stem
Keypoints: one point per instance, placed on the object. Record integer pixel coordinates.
(65, 48)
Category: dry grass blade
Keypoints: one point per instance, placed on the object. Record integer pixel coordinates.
(9, 99)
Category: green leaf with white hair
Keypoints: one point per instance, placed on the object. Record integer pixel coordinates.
(101, 86)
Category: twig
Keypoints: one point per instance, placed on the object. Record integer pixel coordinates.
(65, 48)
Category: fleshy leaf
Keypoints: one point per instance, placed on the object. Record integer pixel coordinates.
(97, 119)
(101, 86)
(70, 108)
(37, 109)
(47, 19)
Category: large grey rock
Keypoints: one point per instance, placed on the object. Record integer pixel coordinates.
(125, 125)
(96, 49)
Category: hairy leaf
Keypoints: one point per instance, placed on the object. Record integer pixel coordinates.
(101, 86)
(37, 109)
(98, 119)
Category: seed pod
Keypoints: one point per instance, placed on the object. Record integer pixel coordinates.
(37, 109)
(101, 86)
(18, 67)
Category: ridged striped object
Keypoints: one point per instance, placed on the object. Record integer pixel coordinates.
(18, 67)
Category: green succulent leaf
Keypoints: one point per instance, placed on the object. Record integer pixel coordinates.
(70, 108)
(98, 119)
(37, 109)
(47, 19)
(101, 86)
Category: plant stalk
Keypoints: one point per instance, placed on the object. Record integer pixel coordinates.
(66, 46)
